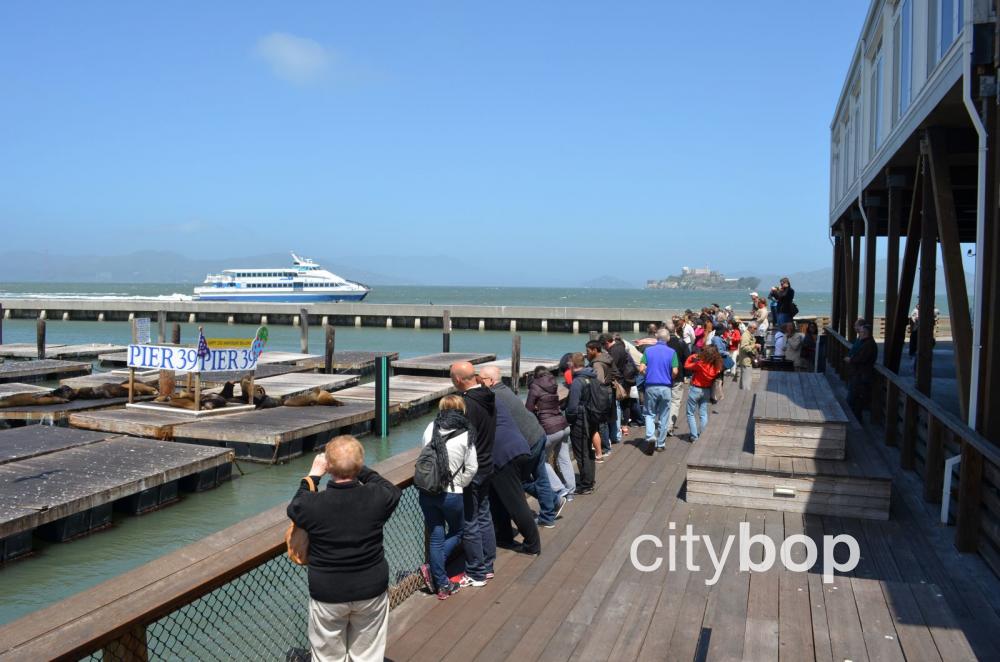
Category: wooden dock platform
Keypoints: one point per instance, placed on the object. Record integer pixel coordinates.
(913, 596)
(360, 362)
(40, 371)
(723, 469)
(798, 416)
(71, 491)
(136, 422)
(296, 383)
(34, 440)
(17, 388)
(407, 392)
(56, 351)
(437, 364)
(58, 414)
(276, 435)
(528, 365)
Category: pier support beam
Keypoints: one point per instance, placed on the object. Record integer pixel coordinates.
(325, 321)
(388, 322)
(416, 322)
(576, 326)
(513, 326)
(100, 316)
(131, 317)
(65, 316)
(304, 337)
(357, 321)
(295, 320)
(231, 320)
(604, 327)
(43, 315)
(482, 325)
(635, 327)
(6, 314)
(263, 320)
(545, 326)
(192, 319)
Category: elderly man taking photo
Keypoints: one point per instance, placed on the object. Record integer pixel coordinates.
(348, 573)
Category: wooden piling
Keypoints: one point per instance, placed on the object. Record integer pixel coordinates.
(1, 323)
(175, 333)
(161, 323)
(304, 330)
(328, 353)
(515, 362)
(135, 331)
(40, 338)
(446, 332)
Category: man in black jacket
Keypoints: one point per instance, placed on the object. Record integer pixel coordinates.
(348, 573)
(862, 364)
(677, 392)
(478, 537)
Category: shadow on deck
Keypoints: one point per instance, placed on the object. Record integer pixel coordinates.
(912, 596)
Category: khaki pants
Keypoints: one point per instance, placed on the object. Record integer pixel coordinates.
(354, 631)
(746, 378)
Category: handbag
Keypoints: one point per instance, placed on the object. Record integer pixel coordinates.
(620, 392)
(296, 539)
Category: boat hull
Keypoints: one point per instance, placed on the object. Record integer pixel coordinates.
(283, 298)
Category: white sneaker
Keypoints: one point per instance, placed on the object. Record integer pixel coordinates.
(467, 581)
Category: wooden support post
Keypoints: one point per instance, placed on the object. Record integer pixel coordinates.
(892, 261)
(850, 285)
(197, 391)
(382, 396)
(131, 385)
(515, 362)
(855, 293)
(894, 344)
(167, 382)
(328, 350)
(836, 308)
(928, 274)
(908, 449)
(161, 322)
(934, 461)
(1, 323)
(594, 335)
(175, 333)
(304, 330)
(40, 337)
(954, 272)
(135, 331)
(891, 413)
(969, 500)
(871, 242)
(446, 332)
(988, 309)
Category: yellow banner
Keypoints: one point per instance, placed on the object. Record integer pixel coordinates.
(229, 343)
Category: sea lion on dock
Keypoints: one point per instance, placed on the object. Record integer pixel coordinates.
(111, 390)
(31, 400)
(185, 400)
(317, 396)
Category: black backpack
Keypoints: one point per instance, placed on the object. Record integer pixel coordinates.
(596, 399)
(430, 472)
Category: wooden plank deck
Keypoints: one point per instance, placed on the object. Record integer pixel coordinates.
(276, 435)
(528, 365)
(911, 597)
(796, 415)
(56, 485)
(57, 351)
(17, 388)
(38, 371)
(405, 391)
(360, 362)
(136, 422)
(33, 440)
(59, 413)
(438, 364)
(296, 383)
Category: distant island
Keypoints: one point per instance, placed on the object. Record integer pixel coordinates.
(702, 279)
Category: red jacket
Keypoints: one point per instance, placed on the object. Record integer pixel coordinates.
(702, 374)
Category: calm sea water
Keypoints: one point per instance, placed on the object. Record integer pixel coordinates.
(810, 303)
(59, 570)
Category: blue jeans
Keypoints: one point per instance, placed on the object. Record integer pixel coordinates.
(441, 511)
(539, 486)
(784, 318)
(478, 537)
(658, 411)
(558, 444)
(698, 399)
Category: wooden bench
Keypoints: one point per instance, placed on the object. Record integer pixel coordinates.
(798, 416)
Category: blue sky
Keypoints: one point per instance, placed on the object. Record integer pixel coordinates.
(647, 135)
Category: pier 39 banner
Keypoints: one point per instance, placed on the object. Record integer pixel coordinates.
(224, 354)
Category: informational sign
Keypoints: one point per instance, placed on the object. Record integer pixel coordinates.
(186, 359)
(142, 330)
(229, 343)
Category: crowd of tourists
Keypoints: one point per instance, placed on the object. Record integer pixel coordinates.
(486, 451)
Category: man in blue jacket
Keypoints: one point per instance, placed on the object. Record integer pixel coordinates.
(660, 366)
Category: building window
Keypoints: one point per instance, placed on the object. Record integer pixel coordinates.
(875, 97)
(949, 20)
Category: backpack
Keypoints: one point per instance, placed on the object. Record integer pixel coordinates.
(296, 539)
(430, 471)
(795, 309)
(596, 400)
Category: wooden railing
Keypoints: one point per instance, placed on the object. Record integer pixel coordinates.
(914, 422)
(112, 618)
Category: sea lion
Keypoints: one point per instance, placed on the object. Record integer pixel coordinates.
(317, 396)
(31, 400)
(111, 390)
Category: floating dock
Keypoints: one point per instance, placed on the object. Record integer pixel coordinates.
(279, 434)
(81, 351)
(528, 365)
(723, 469)
(136, 422)
(411, 393)
(41, 370)
(57, 414)
(437, 364)
(360, 362)
(297, 383)
(59, 484)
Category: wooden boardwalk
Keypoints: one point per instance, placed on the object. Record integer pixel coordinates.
(911, 597)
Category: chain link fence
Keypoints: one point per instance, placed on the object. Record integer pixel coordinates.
(263, 614)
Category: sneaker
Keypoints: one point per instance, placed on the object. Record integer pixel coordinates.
(660, 449)
(599, 460)
(569, 497)
(425, 574)
(446, 592)
(469, 581)
(693, 438)
(490, 575)
(582, 491)
(562, 504)
(545, 525)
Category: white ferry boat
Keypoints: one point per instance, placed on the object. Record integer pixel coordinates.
(304, 281)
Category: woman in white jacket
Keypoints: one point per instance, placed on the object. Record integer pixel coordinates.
(443, 513)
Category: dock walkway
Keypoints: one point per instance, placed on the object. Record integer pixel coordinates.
(911, 597)
(41, 370)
